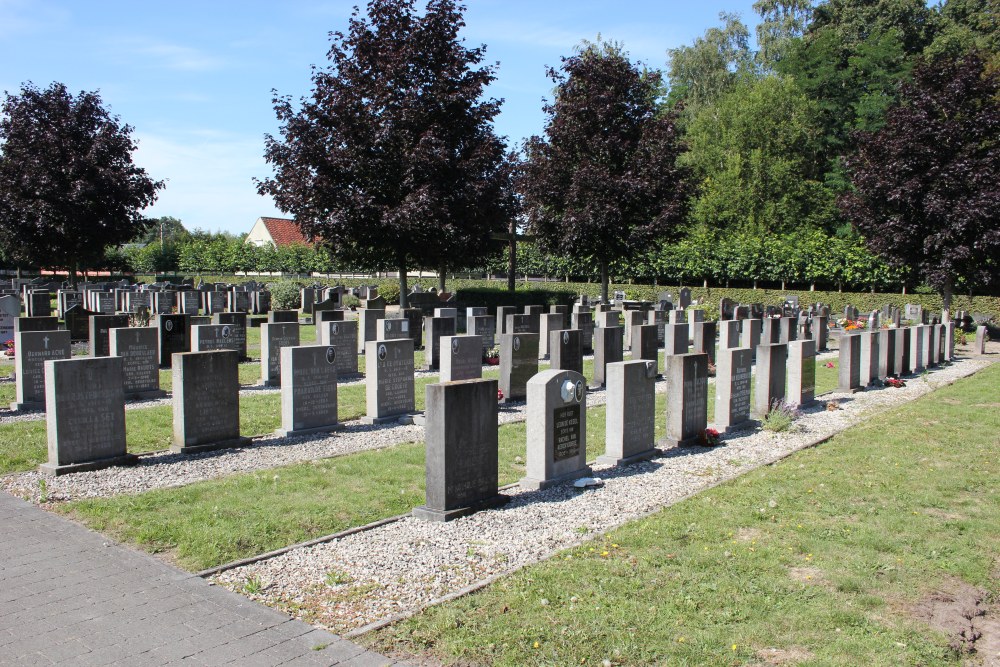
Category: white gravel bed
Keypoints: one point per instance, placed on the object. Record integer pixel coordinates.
(403, 566)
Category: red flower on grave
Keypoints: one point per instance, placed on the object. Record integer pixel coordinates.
(499, 394)
(829, 364)
(710, 438)
(895, 383)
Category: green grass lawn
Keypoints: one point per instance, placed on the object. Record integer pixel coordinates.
(815, 560)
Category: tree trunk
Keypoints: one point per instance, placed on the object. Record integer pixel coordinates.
(812, 287)
(442, 277)
(705, 283)
(402, 283)
(72, 274)
(512, 258)
(782, 285)
(604, 282)
(946, 292)
(755, 283)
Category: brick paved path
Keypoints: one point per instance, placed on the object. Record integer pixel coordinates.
(71, 596)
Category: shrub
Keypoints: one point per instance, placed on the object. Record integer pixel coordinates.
(780, 417)
(285, 295)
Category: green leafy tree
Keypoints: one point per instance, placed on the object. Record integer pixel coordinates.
(68, 185)
(782, 22)
(925, 184)
(603, 184)
(393, 161)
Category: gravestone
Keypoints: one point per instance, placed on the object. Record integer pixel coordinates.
(937, 352)
(436, 328)
(658, 318)
(802, 372)
(980, 345)
(769, 385)
(607, 350)
(100, 327)
(307, 298)
(609, 319)
(84, 416)
(886, 353)
(77, 319)
(684, 298)
(584, 321)
(213, 337)
(273, 337)
(483, 326)
(770, 331)
(215, 302)
(164, 302)
(308, 389)
(462, 468)
(559, 310)
(926, 345)
(416, 319)
(729, 334)
(916, 349)
(392, 329)
(502, 313)
(948, 349)
(704, 339)
(104, 302)
(750, 335)
(534, 314)
(518, 363)
(31, 350)
(344, 337)
(644, 345)
(138, 347)
(189, 302)
(869, 357)
(675, 338)
(174, 332)
(65, 299)
(473, 312)
(849, 363)
(547, 323)
(632, 318)
(732, 388)
(566, 350)
(630, 428)
(36, 324)
(520, 324)
(461, 358)
(334, 304)
(38, 304)
(557, 429)
(388, 380)
(901, 351)
(260, 301)
(368, 326)
(206, 401)
(727, 309)
(238, 322)
(132, 301)
(687, 398)
(321, 316)
(283, 316)
(821, 332)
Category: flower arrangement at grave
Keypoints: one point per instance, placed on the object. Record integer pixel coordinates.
(709, 438)
(499, 395)
(829, 364)
(492, 356)
(895, 383)
(9, 348)
(851, 325)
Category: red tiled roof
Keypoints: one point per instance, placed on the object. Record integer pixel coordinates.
(284, 232)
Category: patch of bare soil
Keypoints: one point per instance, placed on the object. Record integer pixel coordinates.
(784, 656)
(960, 611)
(807, 575)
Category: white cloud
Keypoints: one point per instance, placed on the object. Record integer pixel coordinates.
(208, 178)
(29, 17)
(168, 55)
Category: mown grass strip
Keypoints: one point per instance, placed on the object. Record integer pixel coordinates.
(815, 560)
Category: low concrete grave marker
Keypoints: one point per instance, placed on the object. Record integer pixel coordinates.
(461, 358)
(308, 389)
(31, 350)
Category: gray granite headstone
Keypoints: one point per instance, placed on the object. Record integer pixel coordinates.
(566, 350)
(584, 321)
(644, 345)
(802, 372)
(980, 347)
(484, 326)
(916, 347)
(518, 363)
(948, 349)
(820, 331)
(687, 398)
(607, 350)
(174, 332)
(36, 324)
(630, 426)
(273, 337)
(344, 337)
(368, 326)
(212, 337)
(769, 385)
(869, 357)
(138, 348)
(927, 345)
(886, 353)
(307, 297)
(100, 328)
(85, 415)
(321, 316)
(238, 322)
(206, 401)
(189, 302)
(395, 329)
(38, 304)
(462, 465)
(283, 316)
(31, 350)
(732, 388)
(750, 335)
(675, 338)
(461, 358)
(308, 389)
(547, 323)
(10, 309)
(632, 318)
(658, 318)
(937, 331)
(557, 429)
(901, 351)
(502, 313)
(435, 328)
(849, 363)
(729, 334)
(704, 339)
(522, 323)
(477, 311)
(389, 382)
(77, 319)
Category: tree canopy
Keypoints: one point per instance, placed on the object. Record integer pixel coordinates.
(392, 162)
(68, 186)
(603, 183)
(926, 183)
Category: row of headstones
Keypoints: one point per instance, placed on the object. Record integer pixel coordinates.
(868, 356)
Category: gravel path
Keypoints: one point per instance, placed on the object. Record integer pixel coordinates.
(411, 563)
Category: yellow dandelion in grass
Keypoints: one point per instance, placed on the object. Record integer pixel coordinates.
(681, 640)
(734, 647)
(614, 546)
(799, 526)
(605, 553)
(537, 644)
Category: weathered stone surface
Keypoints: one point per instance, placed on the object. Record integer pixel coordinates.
(138, 347)
(308, 389)
(732, 388)
(557, 429)
(206, 401)
(687, 398)
(389, 380)
(630, 427)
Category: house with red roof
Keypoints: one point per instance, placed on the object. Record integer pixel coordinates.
(276, 231)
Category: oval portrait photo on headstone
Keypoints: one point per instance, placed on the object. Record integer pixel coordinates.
(388, 326)
(225, 332)
(565, 338)
(335, 329)
(579, 392)
(169, 325)
(331, 355)
(517, 343)
(381, 352)
(454, 345)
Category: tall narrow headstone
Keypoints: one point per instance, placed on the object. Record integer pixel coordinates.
(729, 334)
(869, 357)
(927, 344)
(238, 322)
(189, 302)
(916, 348)
(937, 332)
(948, 349)
(368, 326)
(769, 385)
(704, 339)
(344, 337)
(566, 350)
(502, 313)
(138, 347)
(518, 363)
(477, 311)
(522, 323)
(607, 350)
(886, 353)
(644, 345)
(484, 326)
(687, 398)
(821, 332)
(633, 318)
(770, 332)
(980, 347)
(388, 380)
(750, 335)
(461, 358)
(435, 328)
(548, 322)
(557, 429)
(100, 327)
(174, 335)
(802, 372)
(206, 401)
(273, 337)
(462, 464)
(630, 427)
(84, 415)
(308, 389)
(732, 388)
(584, 321)
(849, 363)
(31, 350)
(675, 338)
(901, 350)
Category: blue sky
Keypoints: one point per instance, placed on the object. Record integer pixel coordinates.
(194, 78)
